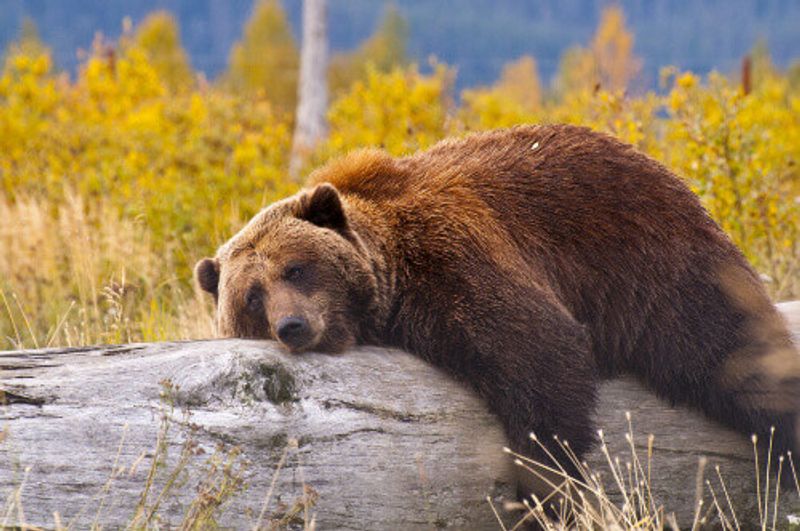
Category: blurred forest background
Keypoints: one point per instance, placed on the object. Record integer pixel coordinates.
(134, 140)
(477, 36)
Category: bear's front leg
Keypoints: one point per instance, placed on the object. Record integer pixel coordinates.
(528, 358)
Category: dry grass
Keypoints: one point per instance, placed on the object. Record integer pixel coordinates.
(587, 503)
(74, 273)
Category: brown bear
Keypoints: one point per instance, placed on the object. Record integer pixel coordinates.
(529, 262)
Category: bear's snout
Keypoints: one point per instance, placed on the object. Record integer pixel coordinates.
(294, 332)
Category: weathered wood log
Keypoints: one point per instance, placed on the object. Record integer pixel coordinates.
(386, 441)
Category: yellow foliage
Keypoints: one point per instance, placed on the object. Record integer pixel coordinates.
(612, 47)
(633, 120)
(739, 153)
(29, 42)
(400, 111)
(516, 98)
(577, 71)
(384, 50)
(266, 62)
(486, 109)
(520, 83)
(608, 63)
(186, 169)
(158, 36)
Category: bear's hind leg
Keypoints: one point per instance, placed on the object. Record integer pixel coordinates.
(722, 347)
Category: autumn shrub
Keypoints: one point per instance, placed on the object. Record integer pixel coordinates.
(740, 152)
(265, 62)
(383, 51)
(515, 98)
(158, 36)
(400, 111)
(183, 169)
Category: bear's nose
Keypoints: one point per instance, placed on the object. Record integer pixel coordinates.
(293, 331)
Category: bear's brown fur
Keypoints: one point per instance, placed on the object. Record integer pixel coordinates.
(529, 262)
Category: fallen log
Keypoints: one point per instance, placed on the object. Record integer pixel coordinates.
(380, 440)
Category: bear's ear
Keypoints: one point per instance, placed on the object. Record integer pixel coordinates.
(207, 274)
(323, 207)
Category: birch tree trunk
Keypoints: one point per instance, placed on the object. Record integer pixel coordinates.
(312, 100)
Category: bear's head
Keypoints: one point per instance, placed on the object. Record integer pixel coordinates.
(297, 272)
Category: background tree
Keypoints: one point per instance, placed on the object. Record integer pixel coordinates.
(266, 61)
(515, 98)
(384, 50)
(310, 124)
(612, 48)
(577, 72)
(762, 67)
(519, 81)
(608, 63)
(29, 42)
(159, 37)
(793, 76)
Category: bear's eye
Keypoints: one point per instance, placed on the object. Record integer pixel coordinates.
(293, 273)
(253, 299)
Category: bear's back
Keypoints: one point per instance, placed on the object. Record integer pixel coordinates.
(561, 192)
(541, 173)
